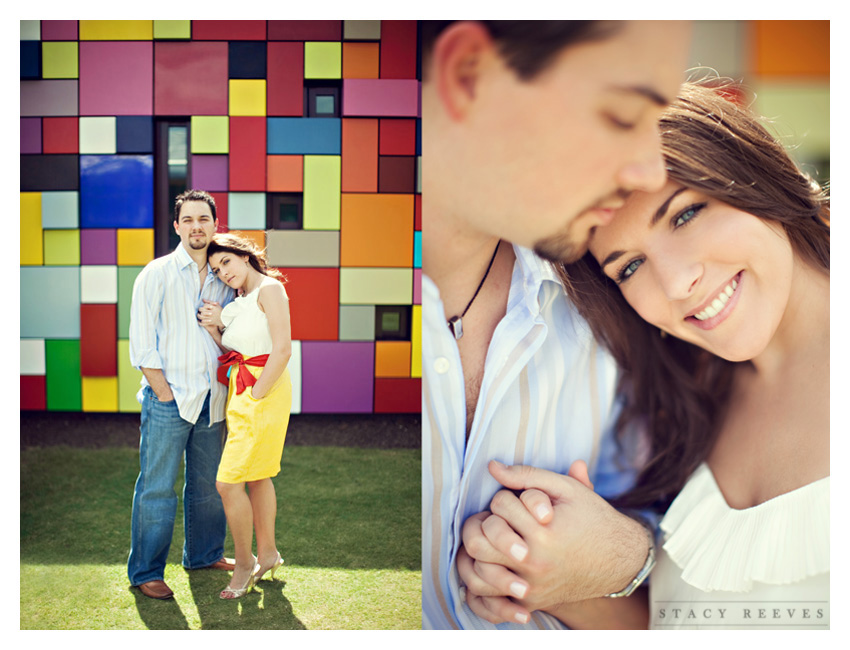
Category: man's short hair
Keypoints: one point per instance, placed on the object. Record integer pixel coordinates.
(193, 195)
(528, 46)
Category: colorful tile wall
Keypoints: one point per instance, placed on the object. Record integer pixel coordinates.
(306, 132)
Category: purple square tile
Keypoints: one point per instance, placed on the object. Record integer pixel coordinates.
(58, 30)
(98, 246)
(30, 135)
(417, 286)
(209, 173)
(337, 376)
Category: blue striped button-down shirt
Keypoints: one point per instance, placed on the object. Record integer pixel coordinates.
(547, 396)
(165, 333)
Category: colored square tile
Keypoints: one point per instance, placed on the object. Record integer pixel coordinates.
(397, 174)
(398, 137)
(322, 60)
(416, 342)
(380, 98)
(786, 48)
(31, 135)
(314, 303)
(247, 97)
(59, 30)
(100, 394)
(30, 60)
(247, 164)
(285, 174)
(417, 286)
(337, 377)
(99, 284)
(392, 358)
(32, 242)
(135, 246)
(305, 30)
(98, 338)
(97, 135)
(229, 30)
(210, 133)
(126, 278)
(60, 210)
(107, 182)
(50, 302)
(33, 393)
(417, 249)
(172, 29)
(377, 230)
(129, 380)
(375, 286)
(116, 30)
(55, 172)
(32, 357)
(134, 134)
(361, 60)
(246, 211)
(247, 60)
(322, 192)
(310, 135)
(62, 247)
(359, 155)
(190, 79)
(64, 384)
(357, 322)
(256, 236)
(398, 49)
(209, 172)
(303, 248)
(60, 60)
(362, 30)
(61, 135)
(116, 78)
(294, 367)
(30, 30)
(398, 395)
(49, 97)
(98, 246)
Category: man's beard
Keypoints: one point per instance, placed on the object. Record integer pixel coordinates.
(197, 244)
(561, 248)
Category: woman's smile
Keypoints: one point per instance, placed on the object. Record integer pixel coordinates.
(720, 307)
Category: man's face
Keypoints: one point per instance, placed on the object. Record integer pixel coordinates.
(195, 225)
(551, 158)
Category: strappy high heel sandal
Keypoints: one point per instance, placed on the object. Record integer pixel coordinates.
(230, 593)
(274, 567)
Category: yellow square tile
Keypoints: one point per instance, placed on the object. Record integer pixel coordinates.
(116, 30)
(247, 97)
(322, 195)
(323, 60)
(416, 342)
(32, 244)
(62, 247)
(60, 60)
(210, 133)
(100, 394)
(135, 246)
(129, 380)
(172, 29)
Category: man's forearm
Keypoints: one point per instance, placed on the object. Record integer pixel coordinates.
(158, 383)
(630, 613)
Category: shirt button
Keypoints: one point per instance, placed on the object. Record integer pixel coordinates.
(442, 365)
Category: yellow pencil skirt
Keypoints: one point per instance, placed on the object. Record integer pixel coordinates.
(256, 430)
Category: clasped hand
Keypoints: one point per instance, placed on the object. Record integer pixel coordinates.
(209, 316)
(555, 544)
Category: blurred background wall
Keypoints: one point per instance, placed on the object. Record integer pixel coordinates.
(307, 135)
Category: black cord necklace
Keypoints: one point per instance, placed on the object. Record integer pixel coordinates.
(456, 323)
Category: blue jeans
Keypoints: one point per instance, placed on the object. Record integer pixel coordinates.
(165, 438)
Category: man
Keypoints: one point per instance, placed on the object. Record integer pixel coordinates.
(182, 403)
(533, 134)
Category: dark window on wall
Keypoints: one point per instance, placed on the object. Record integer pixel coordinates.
(171, 177)
(284, 211)
(392, 322)
(321, 99)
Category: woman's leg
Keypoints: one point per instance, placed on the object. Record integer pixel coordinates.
(240, 518)
(264, 505)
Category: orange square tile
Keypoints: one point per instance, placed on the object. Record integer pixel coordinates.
(791, 48)
(285, 174)
(392, 358)
(360, 60)
(256, 236)
(377, 230)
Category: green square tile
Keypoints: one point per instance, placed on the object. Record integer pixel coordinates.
(126, 278)
(64, 383)
(60, 60)
(62, 247)
(172, 29)
(323, 60)
(210, 134)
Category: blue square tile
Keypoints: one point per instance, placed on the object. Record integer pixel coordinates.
(304, 135)
(116, 191)
(134, 134)
(50, 302)
(30, 59)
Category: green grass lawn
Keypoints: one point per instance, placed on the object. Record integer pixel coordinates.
(348, 526)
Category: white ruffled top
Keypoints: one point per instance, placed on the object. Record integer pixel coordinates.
(246, 325)
(765, 567)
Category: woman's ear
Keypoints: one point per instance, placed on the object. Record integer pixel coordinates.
(458, 59)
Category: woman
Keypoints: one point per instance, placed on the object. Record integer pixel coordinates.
(257, 338)
(713, 296)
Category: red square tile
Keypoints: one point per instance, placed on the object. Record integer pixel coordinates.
(33, 393)
(313, 303)
(98, 340)
(398, 137)
(60, 135)
(190, 78)
(247, 166)
(398, 395)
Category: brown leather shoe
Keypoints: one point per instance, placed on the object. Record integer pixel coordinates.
(224, 564)
(156, 589)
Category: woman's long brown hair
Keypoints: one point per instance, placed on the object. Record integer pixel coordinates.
(675, 391)
(228, 242)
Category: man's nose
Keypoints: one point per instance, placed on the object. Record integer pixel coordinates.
(646, 171)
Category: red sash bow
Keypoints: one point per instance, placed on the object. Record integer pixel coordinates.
(244, 378)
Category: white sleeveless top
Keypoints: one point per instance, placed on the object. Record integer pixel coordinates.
(765, 567)
(247, 328)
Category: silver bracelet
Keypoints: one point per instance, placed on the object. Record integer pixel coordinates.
(642, 574)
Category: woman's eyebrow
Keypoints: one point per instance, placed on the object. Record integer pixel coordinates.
(662, 210)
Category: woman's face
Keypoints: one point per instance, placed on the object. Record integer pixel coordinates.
(230, 268)
(699, 269)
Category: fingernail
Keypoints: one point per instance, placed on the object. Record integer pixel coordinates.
(518, 552)
(542, 511)
(518, 589)
(521, 618)
(499, 464)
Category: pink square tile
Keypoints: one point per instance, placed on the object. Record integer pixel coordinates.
(191, 78)
(116, 78)
(59, 30)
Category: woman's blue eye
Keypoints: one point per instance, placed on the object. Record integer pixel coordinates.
(628, 270)
(687, 214)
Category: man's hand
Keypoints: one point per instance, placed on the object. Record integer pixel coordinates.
(209, 316)
(576, 545)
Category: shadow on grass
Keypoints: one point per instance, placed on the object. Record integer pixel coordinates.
(159, 614)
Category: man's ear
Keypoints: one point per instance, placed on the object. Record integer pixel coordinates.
(459, 57)
(176, 227)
